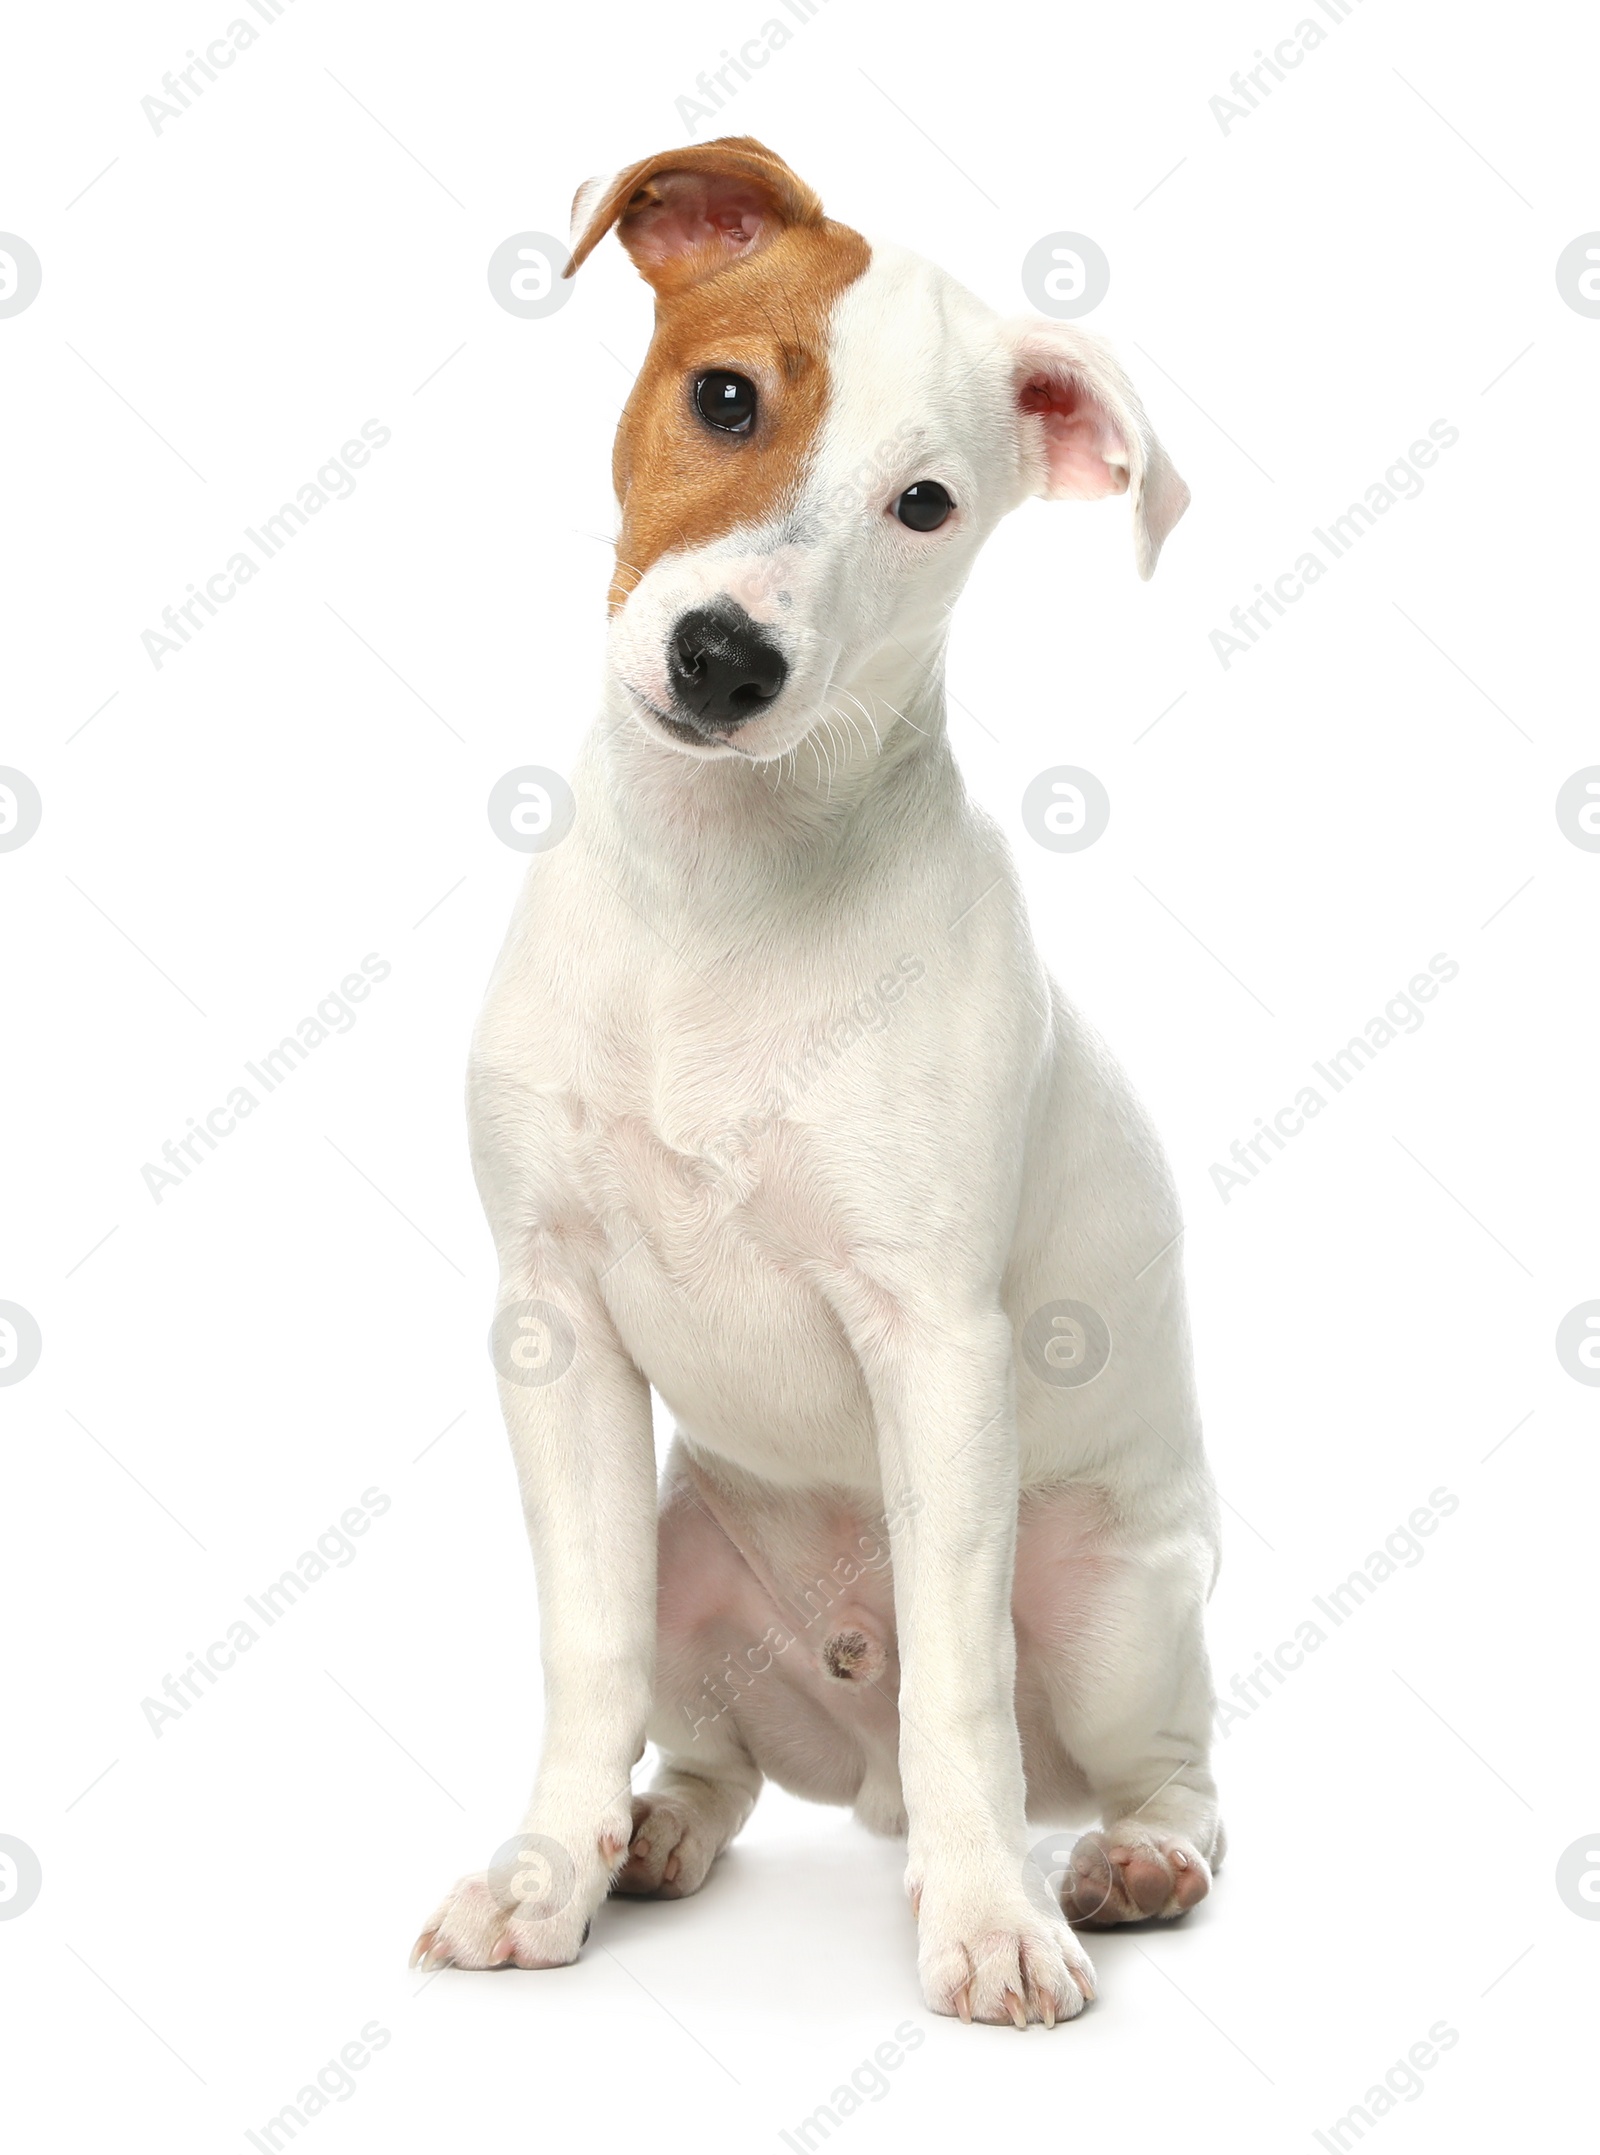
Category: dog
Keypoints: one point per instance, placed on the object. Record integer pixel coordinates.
(775, 1109)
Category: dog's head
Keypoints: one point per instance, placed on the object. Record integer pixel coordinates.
(821, 437)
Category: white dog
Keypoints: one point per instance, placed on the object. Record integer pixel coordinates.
(775, 1109)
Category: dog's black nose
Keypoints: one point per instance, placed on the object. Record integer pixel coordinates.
(723, 667)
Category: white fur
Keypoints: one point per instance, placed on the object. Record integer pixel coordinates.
(820, 1239)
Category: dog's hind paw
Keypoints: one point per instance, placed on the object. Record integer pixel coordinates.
(1129, 1872)
(672, 1849)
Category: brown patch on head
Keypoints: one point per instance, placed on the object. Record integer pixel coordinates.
(746, 271)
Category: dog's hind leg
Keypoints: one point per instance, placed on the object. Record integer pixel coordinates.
(690, 1813)
(708, 1609)
(1110, 1632)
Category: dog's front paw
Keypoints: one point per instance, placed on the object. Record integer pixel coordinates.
(530, 1909)
(998, 1961)
(1128, 1872)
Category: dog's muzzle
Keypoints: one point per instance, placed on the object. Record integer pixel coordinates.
(723, 668)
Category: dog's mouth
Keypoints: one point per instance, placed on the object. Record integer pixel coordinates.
(721, 671)
(720, 685)
(682, 729)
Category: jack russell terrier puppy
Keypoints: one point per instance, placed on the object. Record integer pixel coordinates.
(775, 1109)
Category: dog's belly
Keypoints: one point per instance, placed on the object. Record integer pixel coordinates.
(776, 1628)
(775, 1633)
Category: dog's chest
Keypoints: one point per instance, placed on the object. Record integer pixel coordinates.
(703, 1140)
(700, 1149)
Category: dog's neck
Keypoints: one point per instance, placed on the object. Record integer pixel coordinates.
(679, 824)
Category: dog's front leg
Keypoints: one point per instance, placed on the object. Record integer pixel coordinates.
(578, 1415)
(942, 1387)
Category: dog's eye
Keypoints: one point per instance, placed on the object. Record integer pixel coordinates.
(925, 506)
(726, 401)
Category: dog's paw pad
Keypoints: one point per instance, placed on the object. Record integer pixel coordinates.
(1131, 1872)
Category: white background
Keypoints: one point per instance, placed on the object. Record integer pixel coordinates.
(225, 1906)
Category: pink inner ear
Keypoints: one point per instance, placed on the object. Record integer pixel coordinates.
(1085, 455)
(694, 211)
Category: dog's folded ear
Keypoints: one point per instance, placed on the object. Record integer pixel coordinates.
(684, 214)
(1084, 432)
